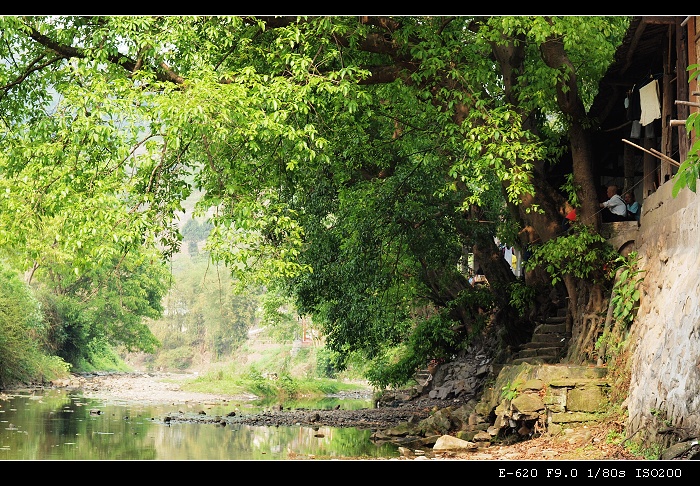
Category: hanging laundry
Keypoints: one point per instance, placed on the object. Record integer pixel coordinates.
(636, 131)
(649, 131)
(634, 109)
(649, 99)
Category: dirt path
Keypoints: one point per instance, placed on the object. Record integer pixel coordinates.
(161, 387)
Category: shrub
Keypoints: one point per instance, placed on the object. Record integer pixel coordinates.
(325, 366)
(175, 359)
(22, 332)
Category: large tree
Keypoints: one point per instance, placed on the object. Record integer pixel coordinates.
(352, 161)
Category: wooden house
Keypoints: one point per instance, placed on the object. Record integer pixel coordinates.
(639, 150)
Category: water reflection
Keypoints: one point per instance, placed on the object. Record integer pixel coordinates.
(55, 424)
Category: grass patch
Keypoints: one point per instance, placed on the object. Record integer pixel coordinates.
(235, 379)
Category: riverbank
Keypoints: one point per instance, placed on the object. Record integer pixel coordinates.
(585, 442)
(143, 387)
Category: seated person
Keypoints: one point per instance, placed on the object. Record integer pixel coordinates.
(614, 209)
(568, 213)
(633, 209)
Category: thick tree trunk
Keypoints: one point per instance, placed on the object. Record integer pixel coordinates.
(581, 152)
(588, 320)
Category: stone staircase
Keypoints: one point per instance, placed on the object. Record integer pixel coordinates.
(548, 343)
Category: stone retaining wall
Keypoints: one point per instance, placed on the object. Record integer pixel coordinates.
(530, 398)
(664, 395)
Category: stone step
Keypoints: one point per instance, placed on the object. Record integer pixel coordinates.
(548, 355)
(548, 339)
(539, 351)
(547, 344)
(536, 360)
(550, 328)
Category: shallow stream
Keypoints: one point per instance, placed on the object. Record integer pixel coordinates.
(56, 424)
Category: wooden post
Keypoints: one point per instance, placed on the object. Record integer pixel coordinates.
(666, 107)
(692, 39)
(651, 170)
(628, 160)
(682, 89)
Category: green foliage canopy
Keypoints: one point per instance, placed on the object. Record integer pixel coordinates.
(350, 158)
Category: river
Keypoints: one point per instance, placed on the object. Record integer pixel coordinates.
(58, 424)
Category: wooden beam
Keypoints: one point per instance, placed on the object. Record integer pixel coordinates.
(653, 152)
(660, 19)
(638, 33)
(688, 103)
(663, 157)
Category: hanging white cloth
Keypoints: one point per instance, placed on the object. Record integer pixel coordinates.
(649, 99)
(636, 129)
(508, 255)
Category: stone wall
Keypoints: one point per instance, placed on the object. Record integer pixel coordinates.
(528, 397)
(664, 395)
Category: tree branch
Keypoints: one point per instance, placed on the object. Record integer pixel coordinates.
(127, 63)
(33, 67)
